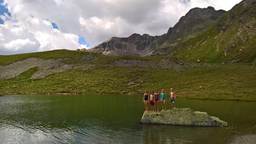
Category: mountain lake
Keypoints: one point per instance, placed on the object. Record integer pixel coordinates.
(113, 119)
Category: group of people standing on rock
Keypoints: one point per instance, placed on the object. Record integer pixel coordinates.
(154, 98)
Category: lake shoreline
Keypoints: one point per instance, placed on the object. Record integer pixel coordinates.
(183, 97)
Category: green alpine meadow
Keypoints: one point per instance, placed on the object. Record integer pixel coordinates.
(94, 73)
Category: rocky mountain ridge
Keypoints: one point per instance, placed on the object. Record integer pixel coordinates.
(190, 25)
(232, 38)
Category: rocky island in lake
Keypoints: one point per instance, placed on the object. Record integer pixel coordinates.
(183, 117)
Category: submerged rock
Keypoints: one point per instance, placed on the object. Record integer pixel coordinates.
(243, 139)
(183, 117)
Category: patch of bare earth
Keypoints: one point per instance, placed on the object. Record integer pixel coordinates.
(45, 67)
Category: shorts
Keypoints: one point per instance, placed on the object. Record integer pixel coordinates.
(172, 99)
(152, 103)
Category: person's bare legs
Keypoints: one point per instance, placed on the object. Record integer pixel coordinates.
(164, 105)
(145, 103)
(154, 107)
(157, 106)
(146, 106)
(174, 105)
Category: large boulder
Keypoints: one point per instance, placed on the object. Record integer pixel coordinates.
(182, 116)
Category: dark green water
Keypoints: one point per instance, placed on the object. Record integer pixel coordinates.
(112, 119)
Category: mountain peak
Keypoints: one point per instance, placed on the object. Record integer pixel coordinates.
(230, 39)
(194, 22)
(210, 7)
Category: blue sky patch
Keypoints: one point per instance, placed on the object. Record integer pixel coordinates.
(55, 26)
(3, 10)
(83, 41)
(1, 21)
(184, 1)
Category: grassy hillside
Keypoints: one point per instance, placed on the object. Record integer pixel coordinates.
(70, 56)
(235, 81)
(232, 38)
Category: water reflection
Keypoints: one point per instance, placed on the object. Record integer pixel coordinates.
(180, 134)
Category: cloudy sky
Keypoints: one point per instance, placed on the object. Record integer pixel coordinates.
(42, 25)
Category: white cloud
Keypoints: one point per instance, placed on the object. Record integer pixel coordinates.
(83, 46)
(30, 34)
(96, 20)
(47, 23)
(16, 44)
(56, 40)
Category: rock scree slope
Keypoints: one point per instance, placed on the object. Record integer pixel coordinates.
(49, 66)
(44, 67)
